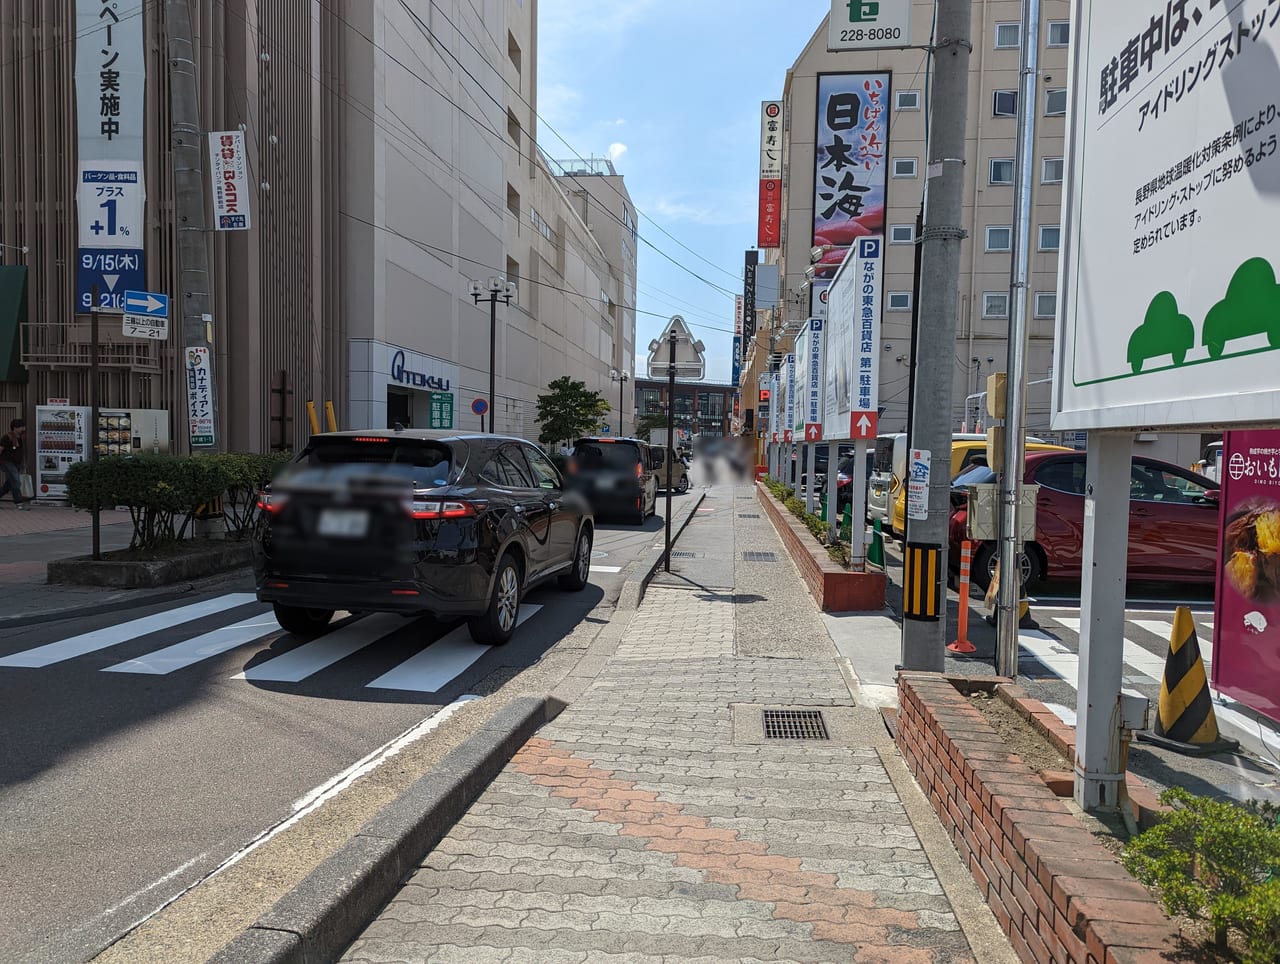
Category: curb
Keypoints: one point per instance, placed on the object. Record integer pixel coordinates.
(640, 572)
(320, 917)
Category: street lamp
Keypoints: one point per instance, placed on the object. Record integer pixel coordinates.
(621, 377)
(498, 290)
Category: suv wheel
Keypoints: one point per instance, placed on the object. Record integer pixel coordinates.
(495, 625)
(580, 573)
(683, 485)
(302, 622)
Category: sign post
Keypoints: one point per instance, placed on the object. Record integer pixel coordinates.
(479, 406)
(146, 315)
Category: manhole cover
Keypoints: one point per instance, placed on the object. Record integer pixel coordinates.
(794, 725)
(760, 556)
(748, 515)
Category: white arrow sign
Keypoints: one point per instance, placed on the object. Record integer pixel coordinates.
(813, 432)
(864, 423)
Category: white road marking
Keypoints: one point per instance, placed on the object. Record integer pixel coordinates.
(1135, 655)
(189, 651)
(309, 658)
(606, 569)
(98, 639)
(1052, 654)
(152, 886)
(436, 665)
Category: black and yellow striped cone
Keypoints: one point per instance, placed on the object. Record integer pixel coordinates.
(1185, 720)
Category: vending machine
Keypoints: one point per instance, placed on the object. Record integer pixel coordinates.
(62, 440)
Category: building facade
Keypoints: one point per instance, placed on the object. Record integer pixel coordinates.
(701, 408)
(392, 160)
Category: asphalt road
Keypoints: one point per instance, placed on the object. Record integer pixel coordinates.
(143, 750)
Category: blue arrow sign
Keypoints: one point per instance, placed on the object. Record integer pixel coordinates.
(146, 303)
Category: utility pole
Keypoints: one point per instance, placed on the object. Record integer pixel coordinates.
(1015, 416)
(671, 432)
(499, 290)
(187, 142)
(924, 621)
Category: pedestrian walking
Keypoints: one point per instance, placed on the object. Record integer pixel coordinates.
(13, 453)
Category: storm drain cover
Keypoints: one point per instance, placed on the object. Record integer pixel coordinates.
(794, 725)
(760, 556)
(748, 515)
(684, 554)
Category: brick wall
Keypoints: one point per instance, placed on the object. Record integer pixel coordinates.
(1057, 893)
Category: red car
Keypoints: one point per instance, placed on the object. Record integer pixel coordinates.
(1173, 522)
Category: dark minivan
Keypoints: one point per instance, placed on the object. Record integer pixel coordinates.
(618, 476)
(417, 522)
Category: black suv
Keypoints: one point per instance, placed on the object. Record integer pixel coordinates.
(417, 522)
(617, 476)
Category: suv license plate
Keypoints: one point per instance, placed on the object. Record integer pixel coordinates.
(344, 523)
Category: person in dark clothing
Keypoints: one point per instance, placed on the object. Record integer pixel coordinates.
(13, 454)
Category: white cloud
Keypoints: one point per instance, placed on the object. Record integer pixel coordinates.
(667, 209)
(558, 102)
(616, 151)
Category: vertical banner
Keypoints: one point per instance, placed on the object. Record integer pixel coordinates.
(770, 224)
(851, 150)
(200, 396)
(749, 295)
(789, 366)
(813, 409)
(110, 198)
(1246, 659)
(229, 173)
(738, 346)
(868, 272)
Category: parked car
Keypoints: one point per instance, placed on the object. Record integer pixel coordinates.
(1173, 521)
(417, 522)
(617, 476)
(679, 469)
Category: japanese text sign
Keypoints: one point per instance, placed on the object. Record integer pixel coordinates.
(111, 76)
(229, 174)
(869, 24)
(200, 396)
(110, 197)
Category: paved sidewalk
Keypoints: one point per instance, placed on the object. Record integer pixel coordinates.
(654, 821)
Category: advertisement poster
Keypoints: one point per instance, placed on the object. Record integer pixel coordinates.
(111, 79)
(870, 25)
(229, 174)
(1170, 308)
(770, 222)
(918, 484)
(1246, 628)
(200, 396)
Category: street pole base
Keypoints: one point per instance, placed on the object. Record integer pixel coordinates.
(1220, 745)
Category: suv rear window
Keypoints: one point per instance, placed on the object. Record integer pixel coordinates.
(607, 455)
(425, 463)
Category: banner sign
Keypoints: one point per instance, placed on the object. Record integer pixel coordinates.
(813, 411)
(200, 396)
(1246, 659)
(111, 80)
(770, 220)
(851, 361)
(110, 197)
(229, 172)
(737, 360)
(789, 366)
(1170, 316)
(114, 271)
(750, 260)
(851, 150)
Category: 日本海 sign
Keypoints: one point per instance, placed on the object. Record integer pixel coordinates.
(229, 176)
(869, 24)
(1170, 311)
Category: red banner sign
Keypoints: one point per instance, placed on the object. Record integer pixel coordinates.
(770, 233)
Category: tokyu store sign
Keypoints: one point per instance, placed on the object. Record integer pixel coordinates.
(869, 24)
(1170, 308)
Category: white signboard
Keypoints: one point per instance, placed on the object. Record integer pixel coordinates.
(869, 24)
(813, 364)
(111, 79)
(200, 396)
(852, 333)
(229, 173)
(146, 326)
(1170, 312)
(789, 376)
(918, 485)
(110, 199)
(771, 140)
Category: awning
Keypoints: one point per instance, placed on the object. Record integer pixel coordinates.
(13, 312)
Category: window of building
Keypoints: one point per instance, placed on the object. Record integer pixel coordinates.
(650, 401)
(513, 128)
(1008, 35)
(684, 405)
(899, 300)
(1001, 170)
(539, 223)
(902, 233)
(711, 406)
(513, 274)
(999, 237)
(1050, 237)
(995, 304)
(513, 50)
(907, 100)
(1059, 33)
(1055, 102)
(1046, 304)
(1005, 103)
(1052, 173)
(904, 167)
(513, 200)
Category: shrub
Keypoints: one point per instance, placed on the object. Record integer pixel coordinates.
(246, 473)
(1212, 860)
(838, 550)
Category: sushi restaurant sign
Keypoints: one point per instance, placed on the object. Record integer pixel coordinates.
(1169, 311)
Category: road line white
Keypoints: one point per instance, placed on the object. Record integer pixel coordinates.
(606, 569)
(309, 658)
(98, 639)
(189, 651)
(152, 886)
(313, 799)
(1052, 655)
(1136, 656)
(438, 664)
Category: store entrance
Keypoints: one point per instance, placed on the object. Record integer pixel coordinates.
(399, 409)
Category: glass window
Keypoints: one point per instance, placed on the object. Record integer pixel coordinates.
(514, 468)
(902, 233)
(907, 100)
(1063, 475)
(1007, 35)
(1149, 483)
(1055, 102)
(999, 238)
(543, 471)
(650, 401)
(608, 455)
(904, 167)
(995, 304)
(1059, 33)
(1001, 170)
(899, 300)
(1052, 173)
(1046, 304)
(1050, 237)
(1005, 103)
(711, 406)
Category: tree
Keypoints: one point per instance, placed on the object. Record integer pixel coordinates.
(568, 410)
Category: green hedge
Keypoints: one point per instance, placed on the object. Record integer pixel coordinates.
(164, 492)
(838, 550)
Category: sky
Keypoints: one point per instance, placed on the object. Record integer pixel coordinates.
(670, 90)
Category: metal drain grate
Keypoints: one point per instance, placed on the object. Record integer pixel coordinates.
(683, 554)
(748, 515)
(794, 725)
(760, 557)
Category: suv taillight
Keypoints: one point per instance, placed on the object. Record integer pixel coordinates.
(639, 470)
(439, 508)
(272, 503)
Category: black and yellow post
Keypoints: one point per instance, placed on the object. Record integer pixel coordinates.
(1185, 720)
(922, 595)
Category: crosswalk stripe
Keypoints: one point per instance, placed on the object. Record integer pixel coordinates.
(606, 569)
(1164, 629)
(309, 658)
(1136, 656)
(435, 666)
(1052, 655)
(189, 651)
(99, 639)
